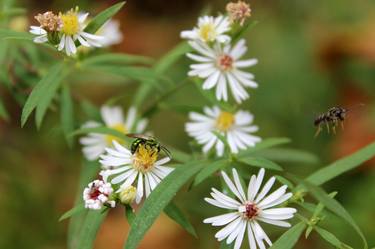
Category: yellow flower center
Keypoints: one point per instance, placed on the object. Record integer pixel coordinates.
(207, 32)
(145, 158)
(224, 121)
(70, 24)
(118, 127)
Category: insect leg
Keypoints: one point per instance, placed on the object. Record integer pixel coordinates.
(327, 124)
(342, 125)
(318, 131)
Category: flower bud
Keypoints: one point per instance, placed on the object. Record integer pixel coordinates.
(238, 12)
(128, 195)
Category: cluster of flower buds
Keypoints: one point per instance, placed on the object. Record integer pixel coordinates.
(238, 12)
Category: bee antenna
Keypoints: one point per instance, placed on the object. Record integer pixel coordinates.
(355, 107)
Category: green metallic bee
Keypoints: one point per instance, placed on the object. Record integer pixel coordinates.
(149, 141)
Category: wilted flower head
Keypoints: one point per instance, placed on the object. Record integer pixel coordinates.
(49, 21)
(97, 194)
(238, 12)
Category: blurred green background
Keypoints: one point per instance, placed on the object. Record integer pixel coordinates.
(312, 55)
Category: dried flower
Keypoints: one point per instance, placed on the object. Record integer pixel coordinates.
(49, 21)
(238, 12)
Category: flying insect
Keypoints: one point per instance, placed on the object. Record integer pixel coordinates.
(141, 139)
(332, 117)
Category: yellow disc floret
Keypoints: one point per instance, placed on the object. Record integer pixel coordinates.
(70, 24)
(207, 32)
(145, 158)
(224, 121)
(118, 127)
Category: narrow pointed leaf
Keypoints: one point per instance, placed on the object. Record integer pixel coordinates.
(113, 58)
(260, 162)
(208, 170)
(330, 238)
(102, 130)
(67, 114)
(264, 144)
(334, 206)
(172, 57)
(100, 19)
(76, 210)
(290, 237)
(289, 155)
(342, 165)
(129, 213)
(158, 200)
(90, 228)
(53, 77)
(176, 214)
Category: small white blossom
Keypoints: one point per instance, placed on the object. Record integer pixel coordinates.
(97, 194)
(221, 66)
(248, 209)
(41, 34)
(209, 29)
(141, 168)
(94, 144)
(73, 24)
(235, 127)
(111, 33)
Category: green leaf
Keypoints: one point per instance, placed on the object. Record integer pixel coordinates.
(102, 130)
(172, 57)
(334, 206)
(260, 162)
(67, 114)
(342, 165)
(89, 109)
(88, 172)
(46, 85)
(331, 238)
(208, 170)
(97, 22)
(158, 200)
(11, 34)
(90, 228)
(142, 74)
(290, 237)
(176, 214)
(264, 144)
(243, 30)
(113, 58)
(3, 112)
(49, 92)
(75, 210)
(289, 155)
(224, 245)
(129, 213)
(179, 155)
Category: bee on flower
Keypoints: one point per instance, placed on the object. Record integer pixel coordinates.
(98, 194)
(64, 31)
(235, 127)
(142, 168)
(247, 210)
(94, 144)
(221, 67)
(209, 29)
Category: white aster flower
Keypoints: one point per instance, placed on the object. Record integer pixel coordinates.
(236, 127)
(209, 29)
(247, 210)
(94, 143)
(41, 34)
(97, 194)
(141, 168)
(72, 29)
(221, 66)
(111, 33)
